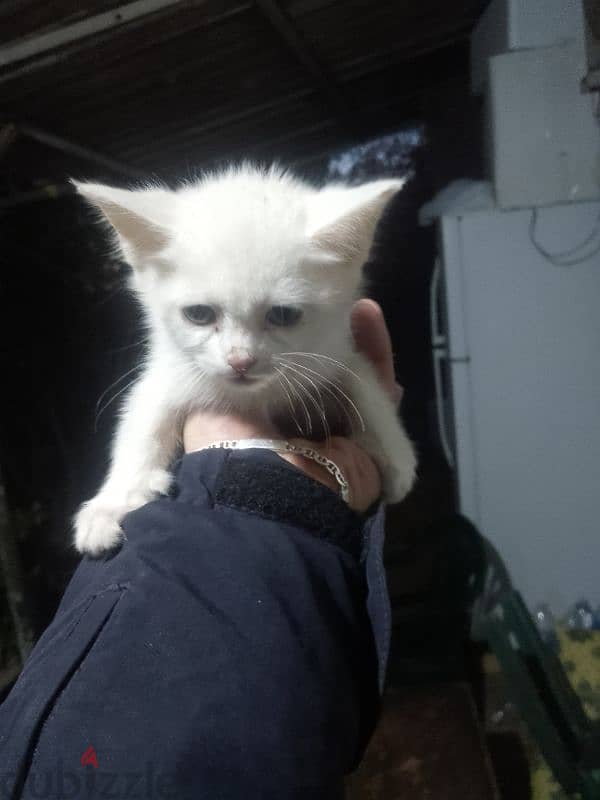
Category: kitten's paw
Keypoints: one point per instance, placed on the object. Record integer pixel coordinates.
(97, 527)
(397, 466)
(97, 523)
(398, 480)
(158, 482)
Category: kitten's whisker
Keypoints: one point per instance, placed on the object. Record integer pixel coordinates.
(112, 399)
(302, 391)
(297, 394)
(338, 388)
(188, 391)
(189, 383)
(115, 383)
(338, 402)
(140, 342)
(319, 406)
(291, 405)
(296, 388)
(289, 399)
(322, 356)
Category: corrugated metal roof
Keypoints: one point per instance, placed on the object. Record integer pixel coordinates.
(209, 79)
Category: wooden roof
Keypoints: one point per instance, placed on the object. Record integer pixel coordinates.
(164, 87)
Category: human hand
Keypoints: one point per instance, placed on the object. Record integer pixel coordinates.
(371, 337)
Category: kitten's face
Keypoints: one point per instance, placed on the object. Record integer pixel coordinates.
(243, 272)
(237, 306)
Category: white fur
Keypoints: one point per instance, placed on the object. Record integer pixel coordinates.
(241, 241)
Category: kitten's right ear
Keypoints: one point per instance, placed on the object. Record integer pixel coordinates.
(140, 217)
(342, 220)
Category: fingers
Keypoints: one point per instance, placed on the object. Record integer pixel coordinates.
(398, 394)
(372, 339)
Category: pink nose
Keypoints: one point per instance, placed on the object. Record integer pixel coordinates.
(241, 361)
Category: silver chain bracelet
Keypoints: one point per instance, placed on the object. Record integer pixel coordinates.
(281, 446)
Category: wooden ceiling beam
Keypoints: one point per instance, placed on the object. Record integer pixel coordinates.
(79, 151)
(303, 52)
(35, 45)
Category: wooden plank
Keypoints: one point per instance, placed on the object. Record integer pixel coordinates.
(428, 744)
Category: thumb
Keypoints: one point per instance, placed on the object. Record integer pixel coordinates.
(372, 339)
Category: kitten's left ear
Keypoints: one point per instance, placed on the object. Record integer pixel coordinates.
(139, 217)
(342, 220)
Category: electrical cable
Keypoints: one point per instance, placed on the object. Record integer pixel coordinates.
(570, 257)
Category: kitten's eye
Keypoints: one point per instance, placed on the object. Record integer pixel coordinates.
(283, 316)
(200, 315)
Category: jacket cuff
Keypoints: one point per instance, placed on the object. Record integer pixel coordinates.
(259, 482)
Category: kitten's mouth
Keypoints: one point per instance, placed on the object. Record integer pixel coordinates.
(245, 380)
(249, 381)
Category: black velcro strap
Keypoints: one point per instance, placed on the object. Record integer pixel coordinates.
(260, 482)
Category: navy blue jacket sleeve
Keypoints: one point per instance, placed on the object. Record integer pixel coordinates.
(234, 646)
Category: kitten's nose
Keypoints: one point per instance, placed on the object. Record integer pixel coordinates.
(241, 361)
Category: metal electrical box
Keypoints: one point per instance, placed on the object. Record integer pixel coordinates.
(543, 136)
(508, 25)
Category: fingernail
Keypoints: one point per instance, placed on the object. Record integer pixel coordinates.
(398, 393)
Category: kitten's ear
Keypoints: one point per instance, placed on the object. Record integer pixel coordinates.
(342, 220)
(139, 217)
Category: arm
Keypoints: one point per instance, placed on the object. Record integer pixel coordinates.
(225, 650)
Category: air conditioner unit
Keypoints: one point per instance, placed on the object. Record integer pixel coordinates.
(544, 140)
(530, 61)
(508, 25)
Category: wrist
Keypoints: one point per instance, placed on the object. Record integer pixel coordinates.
(311, 468)
(203, 428)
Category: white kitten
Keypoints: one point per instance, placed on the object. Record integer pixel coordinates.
(247, 279)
